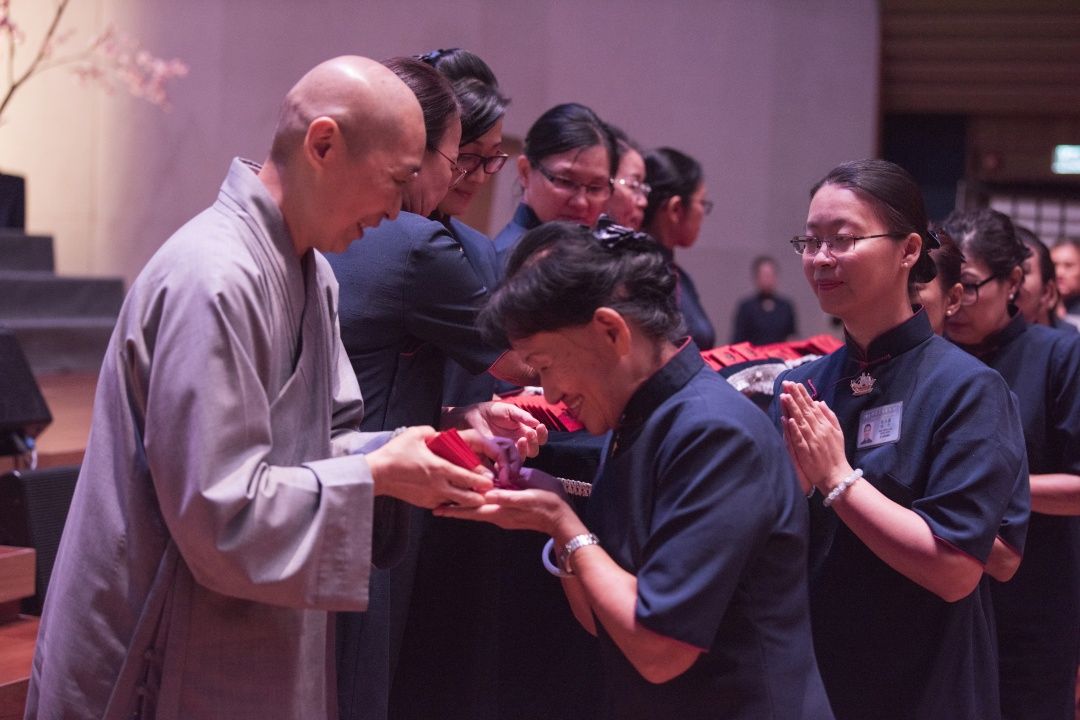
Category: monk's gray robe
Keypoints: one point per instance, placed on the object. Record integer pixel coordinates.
(222, 509)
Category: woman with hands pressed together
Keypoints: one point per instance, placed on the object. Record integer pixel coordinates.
(903, 518)
(691, 565)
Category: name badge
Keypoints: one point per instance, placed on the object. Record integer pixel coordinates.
(880, 425)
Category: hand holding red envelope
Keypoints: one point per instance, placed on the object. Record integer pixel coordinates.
(450, 446)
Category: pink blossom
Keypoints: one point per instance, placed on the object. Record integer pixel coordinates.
(110, 60)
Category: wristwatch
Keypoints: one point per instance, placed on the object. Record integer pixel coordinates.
(575, 543)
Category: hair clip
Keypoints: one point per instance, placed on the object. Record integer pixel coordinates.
(433, 57)
(932, 241)
(613, 236)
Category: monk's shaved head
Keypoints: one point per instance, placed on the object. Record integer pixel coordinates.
(349, 141)
(364, 98)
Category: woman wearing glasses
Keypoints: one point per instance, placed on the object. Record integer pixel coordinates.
(941, 299)
(449, 657)
(903, 517)
(1038, 611)
(565, 173)
(480, 155)
(673, 216)
(409, 295)
(630, 194)
(408, 301)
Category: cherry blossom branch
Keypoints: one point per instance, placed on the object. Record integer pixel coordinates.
(112, 60)
(43, 50)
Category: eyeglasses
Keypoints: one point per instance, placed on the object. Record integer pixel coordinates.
(970, 295)
(836, 244)
(635, 186)
(707, 206)
(573, 187)
(459, 171)
(492, 164)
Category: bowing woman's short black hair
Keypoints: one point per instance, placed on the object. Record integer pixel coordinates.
(570, 126)
(477, 90)
(897, 200)
(561, 273)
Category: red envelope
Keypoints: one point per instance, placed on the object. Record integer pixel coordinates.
(450, 447)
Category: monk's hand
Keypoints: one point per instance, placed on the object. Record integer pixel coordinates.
(814, 439)
(505, 420)
(406, 469)
(539, 505)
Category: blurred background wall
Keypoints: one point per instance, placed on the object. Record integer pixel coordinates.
(767, 94)
(971, 95)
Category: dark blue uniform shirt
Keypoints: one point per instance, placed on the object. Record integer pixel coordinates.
(460, 386)
(697, 499)
(698, 326)
(524, 219)
(1038, 611)
(887, 647)
(409, 300)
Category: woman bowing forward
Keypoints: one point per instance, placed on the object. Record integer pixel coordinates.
(690, 565)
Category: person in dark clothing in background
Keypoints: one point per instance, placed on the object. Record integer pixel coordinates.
(764, 317)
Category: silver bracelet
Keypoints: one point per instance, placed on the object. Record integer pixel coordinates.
(842, 487)
(576, 487)
(397, 431)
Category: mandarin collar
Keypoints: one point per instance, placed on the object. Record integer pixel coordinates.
(1016, 325)
(893, 342)
(525, 217)
(661, 385)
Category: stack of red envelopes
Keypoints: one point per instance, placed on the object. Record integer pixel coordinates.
(449, 445)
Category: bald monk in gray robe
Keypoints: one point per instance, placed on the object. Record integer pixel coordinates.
(226, 502)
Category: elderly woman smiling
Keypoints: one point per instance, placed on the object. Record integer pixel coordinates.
(691, 567)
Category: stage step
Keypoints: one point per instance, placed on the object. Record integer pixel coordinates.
(63, 324)
(19, 252)
(62, 344)
(44, 295)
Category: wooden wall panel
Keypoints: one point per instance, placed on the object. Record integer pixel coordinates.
(981, 57)
(1010, 149)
